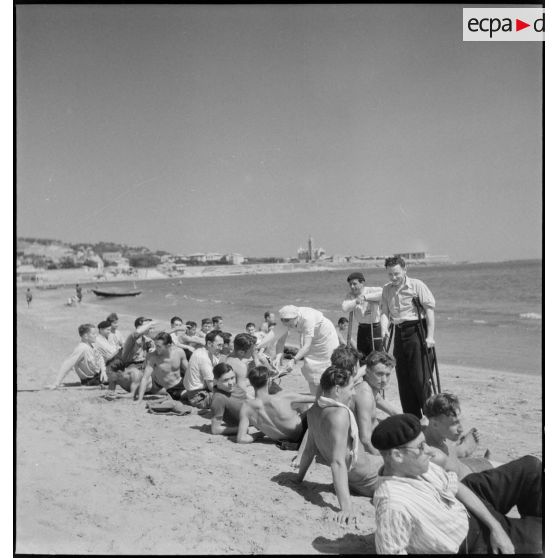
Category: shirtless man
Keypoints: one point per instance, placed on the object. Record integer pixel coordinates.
(274, 415)
(333, 432)
(85, 360)
(163, 370)
(342, 328)
(444, 423)
(368, 396)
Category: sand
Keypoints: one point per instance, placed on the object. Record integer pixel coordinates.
(108, 478)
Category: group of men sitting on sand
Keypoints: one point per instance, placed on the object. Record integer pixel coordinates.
(431, 495)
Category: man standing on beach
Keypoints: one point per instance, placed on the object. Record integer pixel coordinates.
(269, 318)
(397, 307)
(85, 360)
(28, 297)
(365, 303)
(78, 292)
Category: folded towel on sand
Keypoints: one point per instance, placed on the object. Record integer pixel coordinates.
(168, 407)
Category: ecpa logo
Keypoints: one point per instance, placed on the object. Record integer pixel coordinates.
(503, 24)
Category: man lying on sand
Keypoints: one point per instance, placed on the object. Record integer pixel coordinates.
(163, 370)
(333, 432)
(444, 423)
(224, 408)
(422, 509)
(275, 415)
(85, 360)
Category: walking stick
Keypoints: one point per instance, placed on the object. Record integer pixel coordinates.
(435, 386)
(350, 328)
(386, 347)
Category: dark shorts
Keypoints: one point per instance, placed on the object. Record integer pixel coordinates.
(176, 391)
(94, 381)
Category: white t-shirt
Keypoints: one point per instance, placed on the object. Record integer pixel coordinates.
(200, 368)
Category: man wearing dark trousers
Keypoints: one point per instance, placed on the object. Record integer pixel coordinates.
(365, 303)
(397, 307)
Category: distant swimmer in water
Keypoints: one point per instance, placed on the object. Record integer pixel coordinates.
(319, 339)
(279, 416)
(28, 297)
(444, 423)
(164, 370)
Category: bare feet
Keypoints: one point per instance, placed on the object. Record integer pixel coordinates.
(468, 443)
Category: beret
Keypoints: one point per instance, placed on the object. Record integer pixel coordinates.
(355, 275)
(288, 312)
(396, 431)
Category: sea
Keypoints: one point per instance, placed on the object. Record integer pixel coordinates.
(488, 315)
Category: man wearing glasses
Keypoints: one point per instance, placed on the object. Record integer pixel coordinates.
(422, 509)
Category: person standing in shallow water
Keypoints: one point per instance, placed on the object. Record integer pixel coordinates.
(78, 292)
(28, 297)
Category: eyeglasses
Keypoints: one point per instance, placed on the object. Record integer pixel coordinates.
(421, 448)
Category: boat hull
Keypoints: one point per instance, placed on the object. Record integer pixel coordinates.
(109, 294)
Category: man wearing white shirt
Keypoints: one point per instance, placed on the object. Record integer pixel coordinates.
(365, 303)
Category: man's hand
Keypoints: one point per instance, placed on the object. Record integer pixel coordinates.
(295, 463)
(345, 517)
(500, 542)
(430, 342)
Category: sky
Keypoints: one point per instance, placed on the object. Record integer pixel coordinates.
(196, 128)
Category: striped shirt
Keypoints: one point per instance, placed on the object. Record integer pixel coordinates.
(419, 515)
(397, 302)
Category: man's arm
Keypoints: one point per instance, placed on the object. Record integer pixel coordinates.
(383, 405)
(68, 365)
(242, 436)
(218, 407)
(183, 364)
(147, 371)
(301, 353)
(499, 540)
(430, 326)
(206, 373)
(365, 413)
(373, 294)
(350, 303)
(338, 436)
(307, 456)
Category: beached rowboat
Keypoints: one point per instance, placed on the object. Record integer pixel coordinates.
(115, 293)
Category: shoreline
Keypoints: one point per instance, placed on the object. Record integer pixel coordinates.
(57, 278)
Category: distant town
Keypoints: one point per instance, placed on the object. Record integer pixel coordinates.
(35, 256)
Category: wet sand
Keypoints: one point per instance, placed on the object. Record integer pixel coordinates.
(108, 478)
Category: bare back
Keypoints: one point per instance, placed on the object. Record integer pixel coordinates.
(276, 418)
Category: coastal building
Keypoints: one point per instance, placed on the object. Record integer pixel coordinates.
(234, 258)
(310, 254)
(422, 257)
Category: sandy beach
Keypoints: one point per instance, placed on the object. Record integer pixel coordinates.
(108, 478)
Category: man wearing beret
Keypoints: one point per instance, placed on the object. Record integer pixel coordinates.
(365, 303)
(422, 509)
(397, 307)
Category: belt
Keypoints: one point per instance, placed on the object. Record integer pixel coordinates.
(367, 324)
(409, 323)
